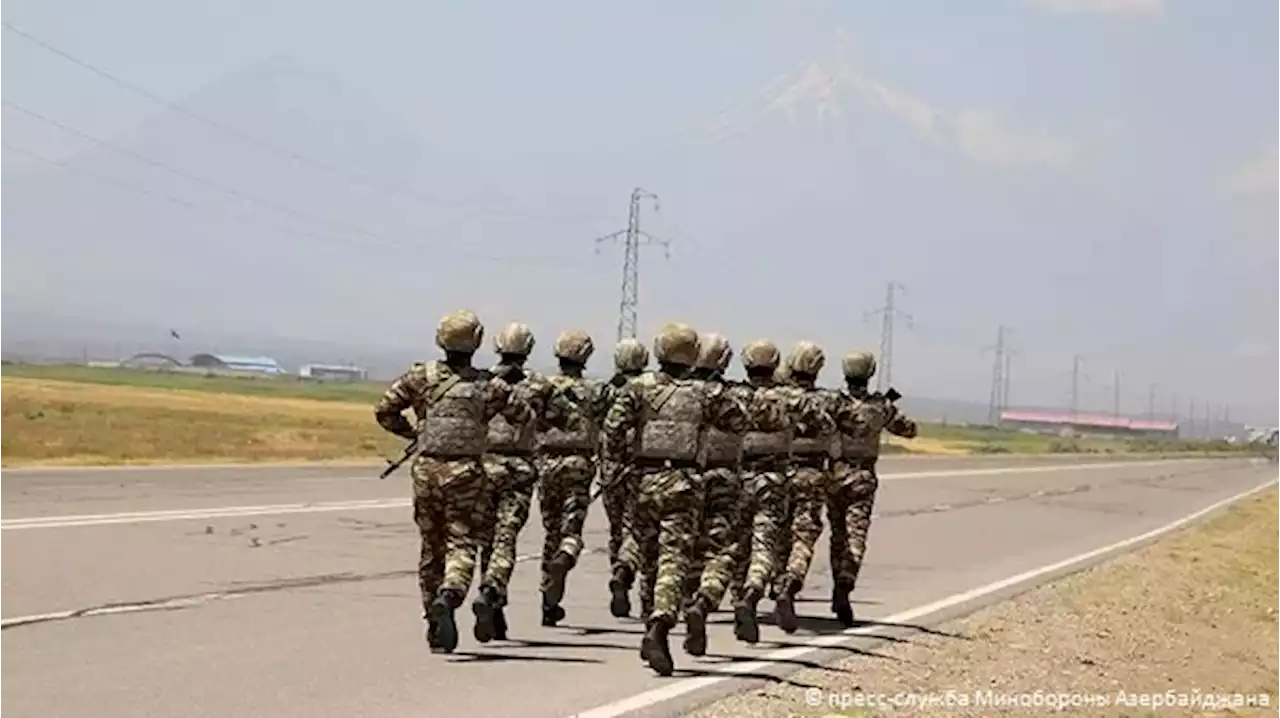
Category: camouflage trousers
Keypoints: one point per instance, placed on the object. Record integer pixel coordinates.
(451, 509)
(664, 521)
(563, 495)
(513, 479)
(717, 535)
(620, 482)
(810, 487)
(762, 515)
(849, 506)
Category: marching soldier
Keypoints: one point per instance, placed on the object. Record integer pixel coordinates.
(618, 475)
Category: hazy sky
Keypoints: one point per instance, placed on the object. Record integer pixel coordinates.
(1098, 175)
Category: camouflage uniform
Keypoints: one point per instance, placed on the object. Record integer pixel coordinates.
(452, 402)
(567, 463)
(764, 502)
(811, 447)
(711, 565)
(618, 474)
(509, 461)
(668, 414)
(862, 417)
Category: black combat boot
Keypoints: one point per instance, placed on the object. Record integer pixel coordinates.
(695, 618)
(557, 571)
(499, 624)
(442, 617)
(654, 647)
(485, 606)
(840, 604)
(746, 623)
(552, 613)
(784, 607)
(620, 588)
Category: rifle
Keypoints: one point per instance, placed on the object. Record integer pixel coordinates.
(409, 451)
(892, 395)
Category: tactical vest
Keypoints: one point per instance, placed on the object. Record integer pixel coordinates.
(672, 427)
(813, 445)
(766, 443)
(585, 437)
(453, 419)
(872, 415)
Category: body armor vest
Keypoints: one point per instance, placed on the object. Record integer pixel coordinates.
(672, 427)
(586, 436)
(872, 415)
(453, 419)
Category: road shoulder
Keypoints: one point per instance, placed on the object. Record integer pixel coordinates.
(1184, 626)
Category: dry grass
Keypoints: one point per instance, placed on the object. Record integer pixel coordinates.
(1194, 613)
(55, 422)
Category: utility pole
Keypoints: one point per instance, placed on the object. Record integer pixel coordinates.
(1115, 403)
(632, 238)
(1151, 403)
(1008, 356)
(1075, 385)
(996, 402)
(888, 312)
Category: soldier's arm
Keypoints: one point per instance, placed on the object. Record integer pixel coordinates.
(900, 425)
(623, 416)
(728, 411)
(814, 414)
(502, 398)
(769, 410)
(389, 411)
(847, 417)
(560, 406)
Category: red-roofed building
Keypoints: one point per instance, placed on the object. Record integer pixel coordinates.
(1066, 423)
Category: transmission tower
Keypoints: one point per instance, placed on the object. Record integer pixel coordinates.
(1076, 361)
(632, 237)
(888, 312)
(998, 374)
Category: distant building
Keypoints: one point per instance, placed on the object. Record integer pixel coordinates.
(223, 362)
(1049, 423)
(333, 372)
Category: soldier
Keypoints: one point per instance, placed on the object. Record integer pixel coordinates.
(619, 475)
(509, 461)
(668, 413)
(811, 447)
(567, 464)
(862, 417)
(452, 401)
(766, 488)
(711, 567)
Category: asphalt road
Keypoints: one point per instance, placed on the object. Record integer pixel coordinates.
(291, 591)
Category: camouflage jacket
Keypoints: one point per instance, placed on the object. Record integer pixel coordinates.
(622, 424)
(584, 402)
(412, 390)
(816, 419)
(863, 416)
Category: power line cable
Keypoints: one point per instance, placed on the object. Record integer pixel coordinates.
(287, 153)
(277, 206)
(186, 204)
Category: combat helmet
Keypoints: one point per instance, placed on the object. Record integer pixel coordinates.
(761, 354)
(460, 331)
(806, 358)
(677, 344)
(715, 352)
(858, 365)
(515, 338)
(630, 356)
(574, 345)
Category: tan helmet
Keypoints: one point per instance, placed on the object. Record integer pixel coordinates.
(715, 352)
(677, 344)
(630, 356)
(515, 338)
(858, 365)
(574, 345)
(761, 354)
(460, 331)
(806, 358)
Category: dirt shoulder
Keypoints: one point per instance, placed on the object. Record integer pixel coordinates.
(1186, 626)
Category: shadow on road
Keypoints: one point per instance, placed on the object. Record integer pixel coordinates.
(798, 662)
(472, 657)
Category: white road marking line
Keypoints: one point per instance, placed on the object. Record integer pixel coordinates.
(43, 522)
(680, 687)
